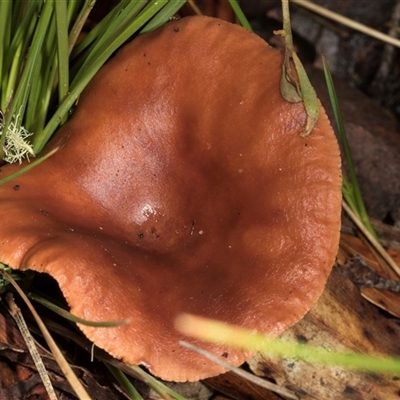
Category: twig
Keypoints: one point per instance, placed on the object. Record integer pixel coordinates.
(19, 319)
(347, 22)
(62, 362)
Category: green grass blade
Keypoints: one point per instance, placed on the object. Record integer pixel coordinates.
(79, 23)
(92, 36)
(19, 276)
(237, 337)
(347, 192)
(162, 390)
(70, 317)
(35, 96)
(19, 11)
(14, 59)
(11, 44)
(240, 15)
(10, 77)
(352, 191)
(62, 49)
(164, 15)
(46, 70)
(124, 382)
(18, 104)
(122, 30)
(27, 168)
(87, 72)
(5, 15)
(119, 23)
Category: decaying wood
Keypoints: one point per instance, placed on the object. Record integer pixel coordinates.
(364, 276)
(341, 320)
(389, 236)
(350, 246)
(237, 388)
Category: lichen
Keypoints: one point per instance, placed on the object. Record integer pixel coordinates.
(16, 146)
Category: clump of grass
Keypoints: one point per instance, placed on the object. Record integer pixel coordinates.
(37, 49)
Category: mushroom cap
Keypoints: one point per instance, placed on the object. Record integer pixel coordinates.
(182, 185)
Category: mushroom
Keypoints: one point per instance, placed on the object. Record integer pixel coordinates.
(182, 185)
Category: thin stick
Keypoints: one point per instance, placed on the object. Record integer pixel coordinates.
(240, 372)
(347, 22)
(62, 362)
(30, 343)
(378, 247)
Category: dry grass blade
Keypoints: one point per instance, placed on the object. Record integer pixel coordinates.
(347, 22)
(62, 362)
(134, 371)
(377, 246)
(194, 7)
(19, 319)
(244, 374)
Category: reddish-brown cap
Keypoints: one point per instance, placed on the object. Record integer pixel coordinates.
(182, 185)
